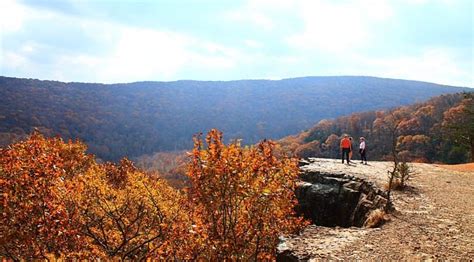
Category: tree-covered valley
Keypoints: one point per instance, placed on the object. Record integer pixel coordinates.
(141, 118)
(439, 130)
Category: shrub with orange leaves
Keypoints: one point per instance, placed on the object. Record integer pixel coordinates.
(35, 221)
(57, 202)
(126, 214)
(242, 198)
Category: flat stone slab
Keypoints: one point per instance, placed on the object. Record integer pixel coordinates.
(316, 242)
(375, 172)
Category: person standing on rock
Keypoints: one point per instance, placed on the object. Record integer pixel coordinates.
(362, 151)
(350, 152)
(345, 148)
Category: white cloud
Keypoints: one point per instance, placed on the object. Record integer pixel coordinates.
(338, 26)
(423, 2)
(12, 16)
(15, 60)
(263, 14)
(322, 37)
(144, 54)
(251, 16)
(133, 53)
(326, 25)
(150, 54)
(438, 65)
(289, 60)
(28, 48)
(253, 44)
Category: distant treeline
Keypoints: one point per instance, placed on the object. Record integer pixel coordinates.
(439, 130)
(143, 118)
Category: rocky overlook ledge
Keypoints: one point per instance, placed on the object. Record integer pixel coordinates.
(337, 199)
(434, 218)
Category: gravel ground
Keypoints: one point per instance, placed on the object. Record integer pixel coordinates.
(434, 219)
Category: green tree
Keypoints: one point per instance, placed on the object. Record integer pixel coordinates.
(458, 123)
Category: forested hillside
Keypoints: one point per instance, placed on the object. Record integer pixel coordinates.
(141, 118)
(439, 130)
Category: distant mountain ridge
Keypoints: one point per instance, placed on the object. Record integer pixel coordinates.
(138, 118)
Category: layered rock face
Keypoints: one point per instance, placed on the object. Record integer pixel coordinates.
(337, 199)
(334, 201)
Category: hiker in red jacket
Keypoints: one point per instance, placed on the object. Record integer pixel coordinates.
(346, 146)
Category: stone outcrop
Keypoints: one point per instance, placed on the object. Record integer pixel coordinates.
(336, 203)
(431, 222)
(337, 199)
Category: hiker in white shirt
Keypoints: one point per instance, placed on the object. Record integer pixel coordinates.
(362, 151)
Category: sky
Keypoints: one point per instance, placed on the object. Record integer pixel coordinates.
(162, 40)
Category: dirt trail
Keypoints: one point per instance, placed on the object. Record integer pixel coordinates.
(434, 219)
(469, 167)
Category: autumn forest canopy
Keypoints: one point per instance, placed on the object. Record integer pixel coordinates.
(141, 118)
(438, 130)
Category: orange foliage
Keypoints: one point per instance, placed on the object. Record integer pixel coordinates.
(332, 142)
(126, 214)
(440, 129)
(170, 166)
(243, 198)
(425, 111)
(35, 220)
(290, 143)
(58, 202)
